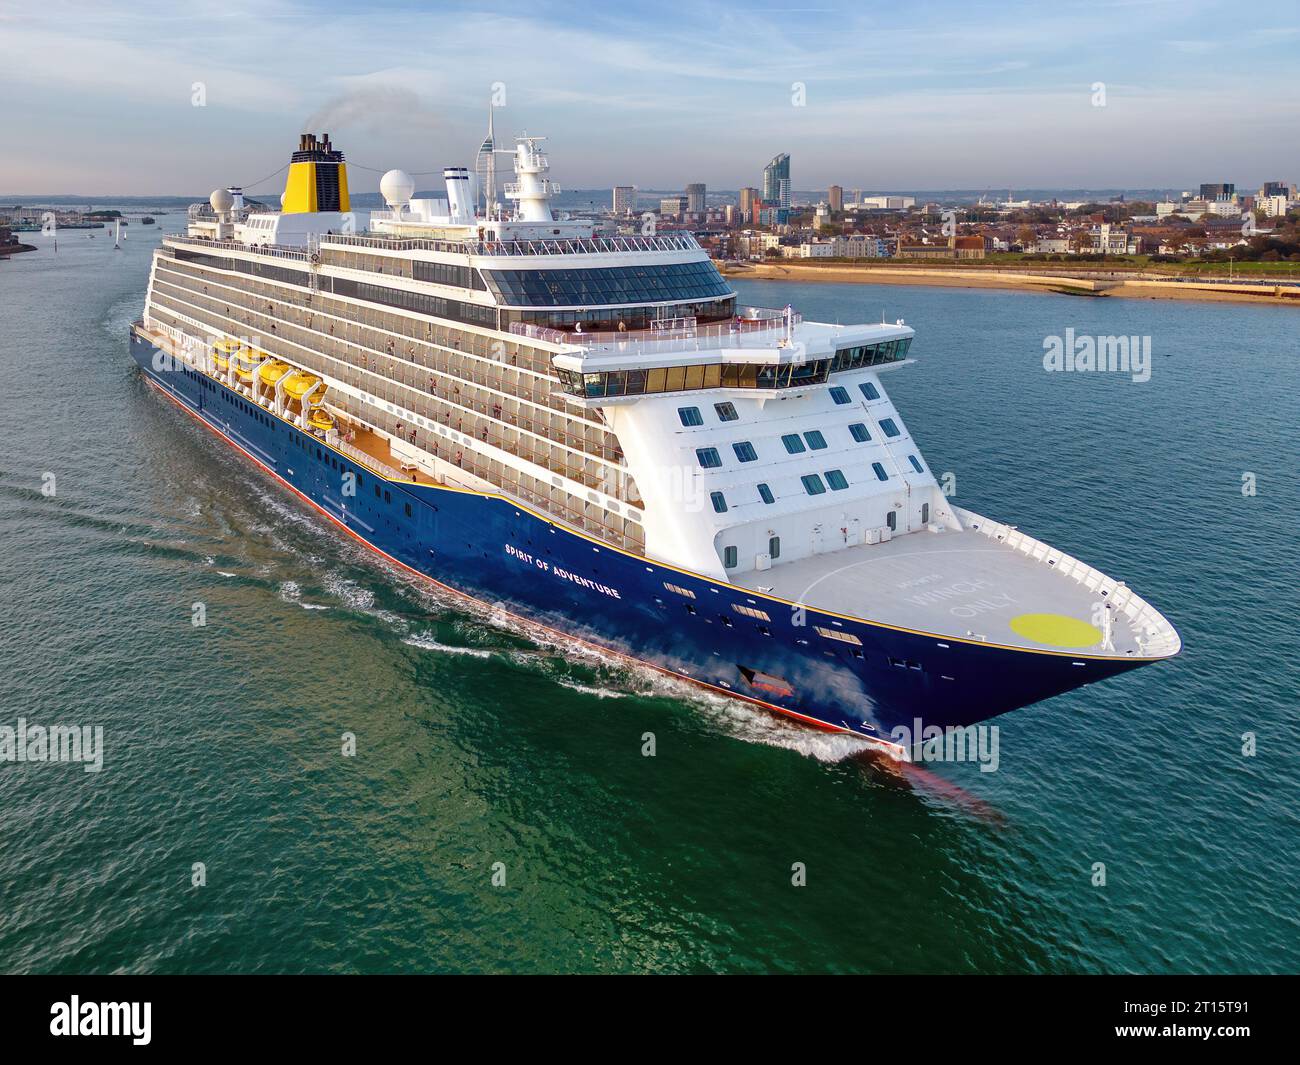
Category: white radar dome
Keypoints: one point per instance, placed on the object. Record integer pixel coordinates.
(221, 201)
(396, 187)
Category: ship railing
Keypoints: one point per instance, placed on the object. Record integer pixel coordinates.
(367, 459)
(1156, 636)
(284, 251)
(742, 331)
(573, 246)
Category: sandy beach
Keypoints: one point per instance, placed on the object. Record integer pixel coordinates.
(958, 277)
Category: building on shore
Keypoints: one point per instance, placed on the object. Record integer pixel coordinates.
(695, 199)
(624, 200)
(776, 186)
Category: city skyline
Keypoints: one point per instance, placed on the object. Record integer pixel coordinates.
(661, 97)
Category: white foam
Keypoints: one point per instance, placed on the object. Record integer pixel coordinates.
(599, 693)
(428, 643)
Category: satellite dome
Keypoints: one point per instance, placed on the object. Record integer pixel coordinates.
(396, 188)
(221, 201)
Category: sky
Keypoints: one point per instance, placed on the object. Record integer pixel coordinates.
(162, 97)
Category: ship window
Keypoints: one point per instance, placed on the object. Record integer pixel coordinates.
(678, 590)
(730, 557)
(719, 502)
(750, 612)
(837, 480)
(377, 493)
(774, 546)
(888, 427)
(690, 416)
(880, 471)
(859, 432)
(812, 484)
(915, 464)
(765, 494)
(869, 390)
(387, 498)
(726, 412)
(408, 510)
(839, 395)
(793, 444)
(708, 457)
(745, 451)
(815, 440)
(835, 634)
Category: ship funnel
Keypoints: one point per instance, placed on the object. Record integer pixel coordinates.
(318, 178)
(461, 195)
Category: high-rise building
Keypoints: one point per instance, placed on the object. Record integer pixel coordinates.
(672, 206)
(624, 200)
(695, 198)
(835, 198)
(1274, 188)
(1222, 191)
(774, 173)
(748, 197)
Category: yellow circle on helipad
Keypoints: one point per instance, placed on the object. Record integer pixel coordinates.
(1056, 630)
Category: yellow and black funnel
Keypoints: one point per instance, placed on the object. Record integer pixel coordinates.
(318, 178)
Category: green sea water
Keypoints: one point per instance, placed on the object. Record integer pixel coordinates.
(484, 752)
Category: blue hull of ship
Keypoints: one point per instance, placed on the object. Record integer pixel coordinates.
(493, 550)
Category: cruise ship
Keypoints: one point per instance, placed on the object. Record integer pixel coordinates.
(588, 432)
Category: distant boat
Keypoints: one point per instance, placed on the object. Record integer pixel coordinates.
(146, 221)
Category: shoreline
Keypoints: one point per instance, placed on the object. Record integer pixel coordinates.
(957, 277)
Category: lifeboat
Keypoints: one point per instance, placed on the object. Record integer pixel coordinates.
(222, 350)
(246, 362)
(320, 419)
(272, 372)
(300, 384)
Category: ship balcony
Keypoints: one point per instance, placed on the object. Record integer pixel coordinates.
(785, 359)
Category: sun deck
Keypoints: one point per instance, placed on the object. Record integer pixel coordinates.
(984, 582)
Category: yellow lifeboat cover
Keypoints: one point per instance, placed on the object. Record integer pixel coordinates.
(319, 418)
(272, 372)
(300, 384)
